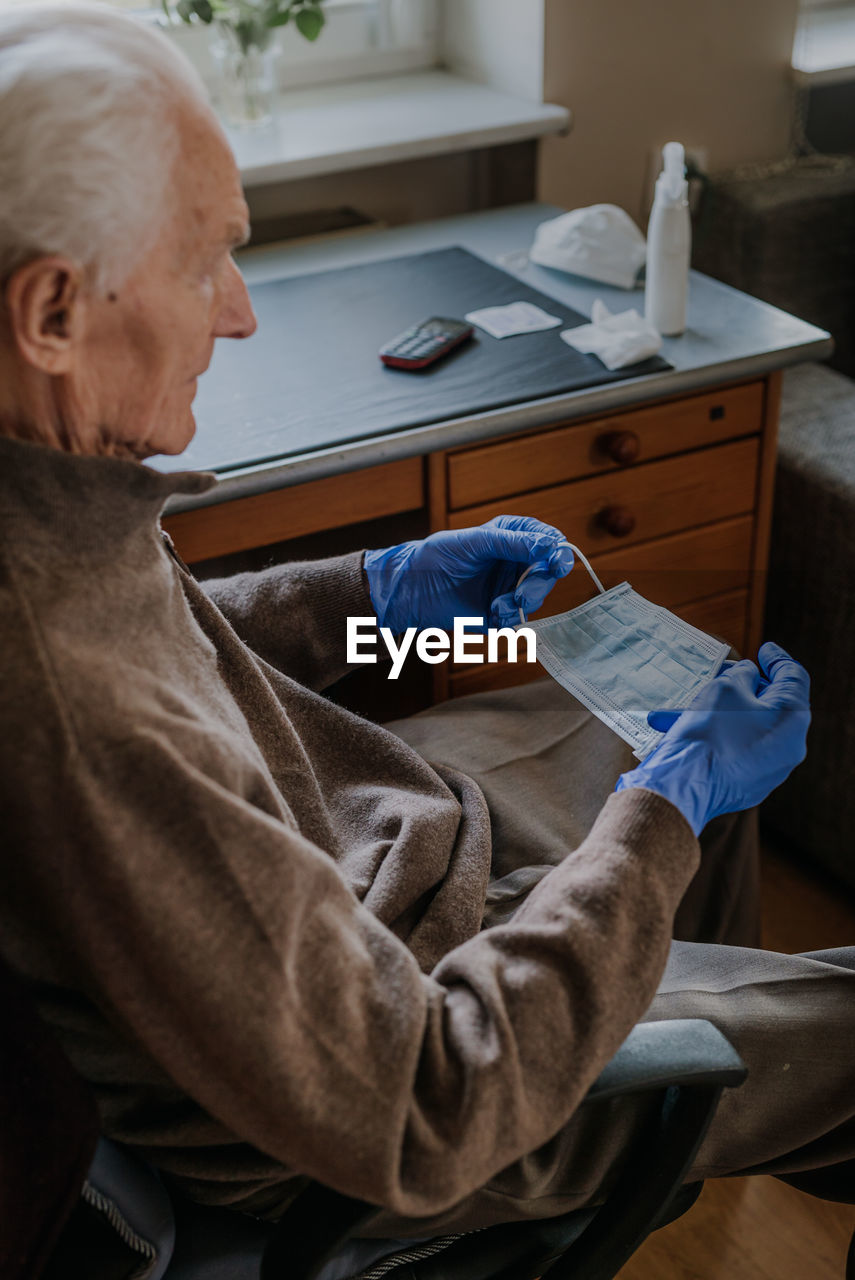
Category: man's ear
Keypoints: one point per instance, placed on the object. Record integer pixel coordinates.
(44, 306)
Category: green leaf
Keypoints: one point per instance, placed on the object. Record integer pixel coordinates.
(184, 9)
(310, 22)
(277, 12)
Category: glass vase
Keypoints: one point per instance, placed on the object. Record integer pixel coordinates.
(246, 78)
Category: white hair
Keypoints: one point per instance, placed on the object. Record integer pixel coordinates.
(88, 140)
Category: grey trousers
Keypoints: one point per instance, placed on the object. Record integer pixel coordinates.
(546, 767)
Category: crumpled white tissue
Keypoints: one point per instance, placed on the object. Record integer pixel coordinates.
(618, 340)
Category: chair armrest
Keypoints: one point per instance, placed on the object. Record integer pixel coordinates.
(684, 1051)
(685, 1063)
(687, 1060)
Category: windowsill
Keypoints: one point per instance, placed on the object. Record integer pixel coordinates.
(824, 49)
(369, 122)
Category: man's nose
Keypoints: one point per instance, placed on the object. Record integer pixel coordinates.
(236, 318)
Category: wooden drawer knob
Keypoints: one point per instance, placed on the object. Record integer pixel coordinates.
(623, 447)
(618, 521)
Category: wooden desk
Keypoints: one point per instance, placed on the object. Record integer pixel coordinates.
(665, 480)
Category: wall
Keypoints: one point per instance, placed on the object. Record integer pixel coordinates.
(432, 187)
(498, 42)
(636, 73)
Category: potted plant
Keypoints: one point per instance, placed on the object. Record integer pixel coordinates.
(243, 49)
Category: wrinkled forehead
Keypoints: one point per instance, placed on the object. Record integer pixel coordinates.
(208, 200)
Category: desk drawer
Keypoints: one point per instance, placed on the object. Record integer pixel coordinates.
(702, 575)
(297, 510)
(625, 507)
(686, 566)
(563, 453)
(722, 615)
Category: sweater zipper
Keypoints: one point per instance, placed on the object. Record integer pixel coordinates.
(170, 547)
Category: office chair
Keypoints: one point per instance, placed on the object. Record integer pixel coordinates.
(76, 1205)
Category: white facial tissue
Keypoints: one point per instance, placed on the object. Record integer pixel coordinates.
(618, 340)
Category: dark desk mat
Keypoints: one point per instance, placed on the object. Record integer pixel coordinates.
(310, 377)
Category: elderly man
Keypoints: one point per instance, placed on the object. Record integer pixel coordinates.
(274, 938)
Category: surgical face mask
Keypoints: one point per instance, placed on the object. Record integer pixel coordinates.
(622, 656)
(601, 242)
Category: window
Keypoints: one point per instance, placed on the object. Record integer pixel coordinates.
(361, 38)
(824, 46)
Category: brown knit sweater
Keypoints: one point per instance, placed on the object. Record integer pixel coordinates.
(252, 917)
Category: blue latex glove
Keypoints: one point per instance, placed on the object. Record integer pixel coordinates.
(467, 573)
(738, 740)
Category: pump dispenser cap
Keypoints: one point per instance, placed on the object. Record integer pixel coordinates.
(673, 175)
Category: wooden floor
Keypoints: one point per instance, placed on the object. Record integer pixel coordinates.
(760, 1228)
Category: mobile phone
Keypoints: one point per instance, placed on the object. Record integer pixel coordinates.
(425, 343)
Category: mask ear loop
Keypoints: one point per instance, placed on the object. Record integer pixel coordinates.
(580, 556)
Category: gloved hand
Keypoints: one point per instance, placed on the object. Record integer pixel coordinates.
(467, 573)
(738, 740)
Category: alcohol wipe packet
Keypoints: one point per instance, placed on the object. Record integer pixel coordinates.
(623, 656)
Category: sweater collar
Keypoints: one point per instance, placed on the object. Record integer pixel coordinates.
(45, 491)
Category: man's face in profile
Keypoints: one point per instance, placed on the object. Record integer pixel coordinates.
(146, 342)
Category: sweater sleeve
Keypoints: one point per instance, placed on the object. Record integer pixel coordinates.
(294, 615)
(230, 949)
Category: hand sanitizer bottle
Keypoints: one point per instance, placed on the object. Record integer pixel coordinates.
(669, 245)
